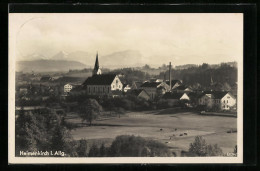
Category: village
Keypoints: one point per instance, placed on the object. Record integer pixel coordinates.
(109, 85)
(165, 110)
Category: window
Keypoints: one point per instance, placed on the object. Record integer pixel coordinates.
(113, 86)
(94, 90)
(119, 86)
(227, 101)
(224, 101)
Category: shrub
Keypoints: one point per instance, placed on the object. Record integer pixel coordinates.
(132, 146)
(200, 148)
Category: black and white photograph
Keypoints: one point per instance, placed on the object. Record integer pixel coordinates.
(125, 88)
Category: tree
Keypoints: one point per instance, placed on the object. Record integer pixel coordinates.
(82, 148)
(135, 146)
(89, 110)
(200, 148)
(102, 150)
(94, 151)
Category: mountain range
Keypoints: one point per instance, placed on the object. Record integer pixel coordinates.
(63, 61)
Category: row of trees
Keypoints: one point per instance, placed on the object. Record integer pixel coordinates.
(129, 146)
(43, 130)
(201, 75)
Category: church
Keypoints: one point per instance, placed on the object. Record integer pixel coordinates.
(102, 84)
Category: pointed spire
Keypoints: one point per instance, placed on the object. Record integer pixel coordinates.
(96, 67)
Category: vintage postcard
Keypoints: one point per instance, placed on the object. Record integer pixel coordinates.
(125, 88)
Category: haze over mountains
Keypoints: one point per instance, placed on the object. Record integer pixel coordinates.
(63, 61)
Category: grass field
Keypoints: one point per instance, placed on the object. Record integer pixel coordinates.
(165, 126)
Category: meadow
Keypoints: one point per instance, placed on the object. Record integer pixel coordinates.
(176, 129)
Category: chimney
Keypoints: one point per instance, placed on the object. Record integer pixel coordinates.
(170, 79)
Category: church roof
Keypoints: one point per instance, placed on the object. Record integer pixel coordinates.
(104, 79)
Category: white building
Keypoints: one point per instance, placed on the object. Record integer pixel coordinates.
(102, 84)
(222, 100)
(67, 88)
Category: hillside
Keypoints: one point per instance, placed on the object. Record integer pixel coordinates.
(48, 65)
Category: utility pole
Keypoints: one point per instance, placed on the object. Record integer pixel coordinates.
(170, 79)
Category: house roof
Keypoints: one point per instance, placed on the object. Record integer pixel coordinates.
(137, 84)
(150, 84)
(170, 95)
(103, 79)
(173, 82)
(181, 87)
(136, 92)
(219, 94)
(216, 94)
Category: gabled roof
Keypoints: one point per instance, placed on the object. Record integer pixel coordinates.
(173, 82)
(219, 94)
(181, 87)
(216, 94)
(103, 79)
(150, 84)
(136, 92)
(170, 95)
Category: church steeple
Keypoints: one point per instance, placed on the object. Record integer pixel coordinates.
(96, 69)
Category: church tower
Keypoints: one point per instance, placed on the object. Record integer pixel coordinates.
(96, 70)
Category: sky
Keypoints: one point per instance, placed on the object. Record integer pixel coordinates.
(182, 38)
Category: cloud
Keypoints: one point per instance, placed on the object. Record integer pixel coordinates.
(191, 38)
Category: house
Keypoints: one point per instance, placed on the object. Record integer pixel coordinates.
(67, 88)
(126, 87)
(174, 83)
(176, 96)
(152, 88)
(182, 89)
(140, 93)
(174, 99)
(102, 84)
(219, 99)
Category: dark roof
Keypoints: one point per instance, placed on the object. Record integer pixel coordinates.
(194, 94)
(136, 92)
(173, 82)
(150, 84)
(181, 87)
(103, 79)
(137, 84)
(219, 94)
(216, 94)
(170, 95)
